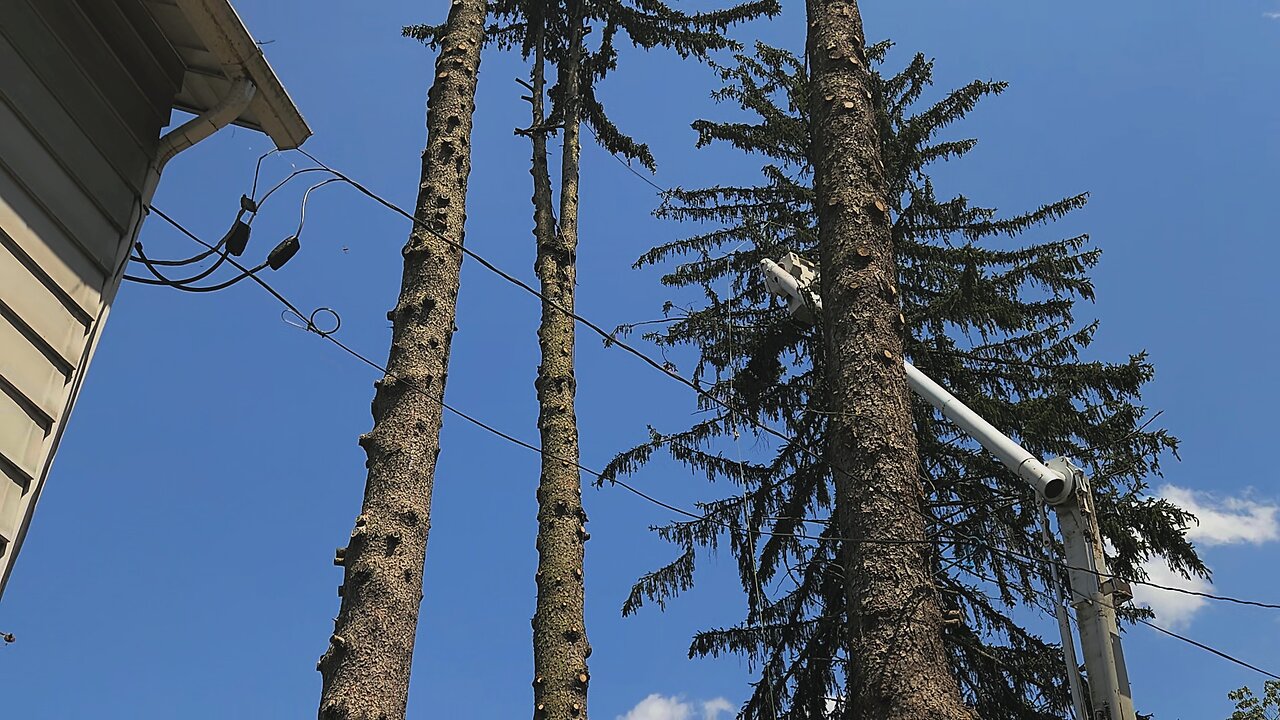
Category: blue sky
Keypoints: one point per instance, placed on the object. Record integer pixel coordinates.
(180, 562)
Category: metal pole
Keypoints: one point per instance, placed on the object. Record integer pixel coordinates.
(1094, 594)
(1064, 626)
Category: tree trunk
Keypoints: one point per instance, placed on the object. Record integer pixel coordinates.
(898, 666)
(366, 668)
(560, 647)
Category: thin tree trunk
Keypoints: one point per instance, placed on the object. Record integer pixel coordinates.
(898, 668)
(560, 647)
(366, 668)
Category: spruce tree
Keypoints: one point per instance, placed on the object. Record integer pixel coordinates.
(555, 34)
(988, 309)
(366, 667)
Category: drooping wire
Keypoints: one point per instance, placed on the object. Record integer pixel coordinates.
(161, 279)
(1206, 648)
(1030, 564)
(308, 322)
(612, 340)
(306, 196)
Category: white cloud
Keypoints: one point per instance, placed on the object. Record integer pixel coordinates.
(1271, 15)
(659, 707)
(1173, 609)
(1223, 521)
(711, 709)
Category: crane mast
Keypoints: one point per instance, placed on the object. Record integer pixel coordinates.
(1093, 592)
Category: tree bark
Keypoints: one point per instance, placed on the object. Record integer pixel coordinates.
(898, 668)
(560, 647)
(366, 667)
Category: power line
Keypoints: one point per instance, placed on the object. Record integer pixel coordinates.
(1184, 591)
(1142, 621)
(1206, 648)
(1090, 449)
(612, 340)
(309, 324)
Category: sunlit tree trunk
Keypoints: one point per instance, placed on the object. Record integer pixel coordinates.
(560, 647)
(897, 664)
(366, 668)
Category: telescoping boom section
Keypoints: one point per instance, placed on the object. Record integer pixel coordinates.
(1094, 593)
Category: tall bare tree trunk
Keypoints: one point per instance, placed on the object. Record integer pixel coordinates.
(898, 667)
(560, 647)
(366, 668)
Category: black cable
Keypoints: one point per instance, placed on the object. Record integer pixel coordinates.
(310, 325)
(183, 284)
(302, 213)
(653, 363)
(187, 261)
(284, 182)
(162, 280)
(1202, 646)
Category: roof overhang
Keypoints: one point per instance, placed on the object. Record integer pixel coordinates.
(217, 49)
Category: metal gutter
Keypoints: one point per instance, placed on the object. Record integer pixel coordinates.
(227, 38)
(242, 92)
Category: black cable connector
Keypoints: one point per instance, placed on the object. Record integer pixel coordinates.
(237, 238)
(247, 204)
(283, 252)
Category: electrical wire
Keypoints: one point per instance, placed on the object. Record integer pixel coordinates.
(284, 182)
(1210, 596)
(311, 326)
(302, 214)
(612, 340)
(1206, 648)
(160, 279)
(308, 322)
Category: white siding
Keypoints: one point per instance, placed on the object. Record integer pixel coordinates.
(86, 87)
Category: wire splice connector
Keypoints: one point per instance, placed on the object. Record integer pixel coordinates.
(237, 238)
(283, 252)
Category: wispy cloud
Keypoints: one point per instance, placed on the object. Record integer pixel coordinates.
(1223, 521)
(1173, 609)
(1271, 15)
(660, 707)
(711, 709)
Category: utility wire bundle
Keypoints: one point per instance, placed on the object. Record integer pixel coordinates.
(233, 243)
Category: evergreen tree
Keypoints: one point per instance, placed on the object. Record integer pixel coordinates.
(366, 667)
(987, 312)
(555, 34)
